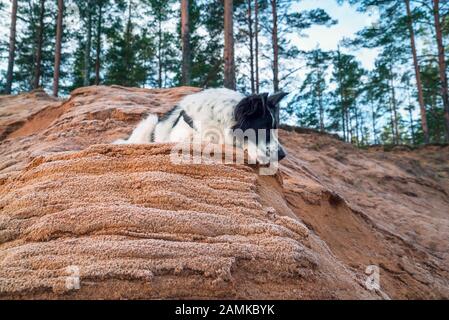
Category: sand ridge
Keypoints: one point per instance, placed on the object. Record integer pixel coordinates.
(125, 222)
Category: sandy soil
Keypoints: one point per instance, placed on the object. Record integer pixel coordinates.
(126, 222)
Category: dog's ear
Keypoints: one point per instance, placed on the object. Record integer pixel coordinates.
(245, 108)
(274, 99)
(251, 105)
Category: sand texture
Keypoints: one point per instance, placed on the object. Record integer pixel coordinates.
(82, 218)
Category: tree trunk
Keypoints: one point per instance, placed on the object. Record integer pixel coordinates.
(442, 65)
(128, 39)
(251, 46)
(86, 81)
(340, 84)
(98, 50)
(256, 42)
(373, 117)
(274, 37)
(362, 131)
(39, 44)
(58, 47)
(357, 126)
(343, 122)
(320, 102)
(422, 106)
(185, 36)
(349, 129)
(229, 62)
(12, 48)
(394, 110)
(159, 53)
(412, 129)
(435, 115)
(212, 72)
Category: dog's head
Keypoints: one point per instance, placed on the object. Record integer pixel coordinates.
(255, 116)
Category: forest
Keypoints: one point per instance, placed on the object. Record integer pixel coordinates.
(246, 45)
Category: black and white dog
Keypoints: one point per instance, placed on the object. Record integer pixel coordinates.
(216, 115)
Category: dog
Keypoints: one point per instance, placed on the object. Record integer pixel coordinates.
(216, 115)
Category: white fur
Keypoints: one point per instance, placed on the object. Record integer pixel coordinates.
(212, 112)
(211, 109)
(142, 133)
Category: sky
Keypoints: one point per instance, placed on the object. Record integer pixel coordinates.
(349, 22)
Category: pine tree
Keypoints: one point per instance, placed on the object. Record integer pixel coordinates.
(245, 44)
(347, 76)
(88, 10)
(256, 45)
(422, 106)
(441, 64)
(207, 49)
(281, 48)
(394, 32)
(310, 104)
(275, 45)
(101, 6)
(185, 38)
(12, 48)
(370, 100)
(35, 45)
(432, 99)
(59, 31)
(127, 54)
(106, 23)
(39, 45)
(166, 62)
(229, 60)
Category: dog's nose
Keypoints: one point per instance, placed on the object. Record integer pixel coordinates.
(281, 154)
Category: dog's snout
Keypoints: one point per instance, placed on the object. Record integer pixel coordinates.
(281, 154)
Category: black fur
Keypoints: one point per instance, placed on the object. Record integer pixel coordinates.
(188, 119)
(169, 113)
(165, 117)
(258, 111)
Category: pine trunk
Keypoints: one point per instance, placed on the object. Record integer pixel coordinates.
(256, 43)
(39, 44)
(422, 106)
(393, 110)
(159, 53)
(12, 48)
(442, 65)
(86, 81)
(340, 85)
(349, 128)
(251, 46)
(58, 47)
(98, 50)
(373, 118)
(321, 107)
(185, 36)
(274, 37)
(229, 62)
(412, 129)
(357, 126)
(128, 39)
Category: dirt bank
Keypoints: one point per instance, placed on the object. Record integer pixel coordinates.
(128, 223)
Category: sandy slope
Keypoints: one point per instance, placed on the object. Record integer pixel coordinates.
(134, 225)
